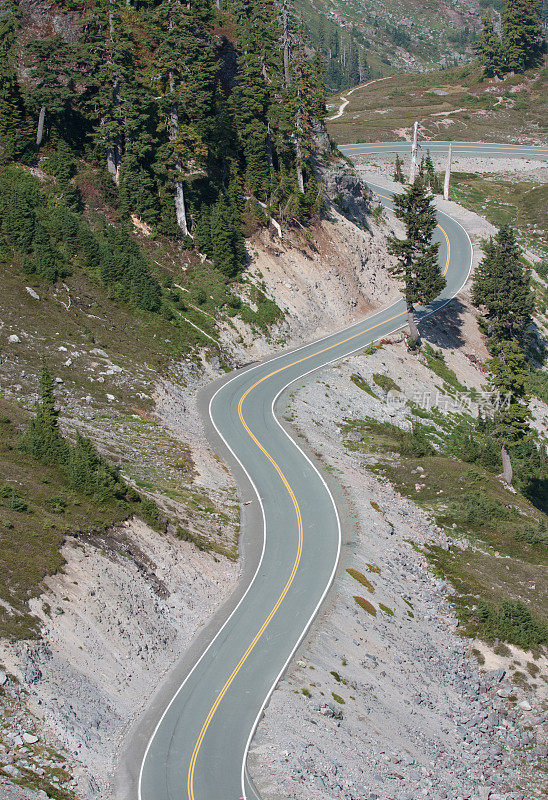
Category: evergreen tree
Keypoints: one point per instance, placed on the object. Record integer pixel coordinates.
(522, 37)
(225, 242)
(353, 64)
(417, 256)
(428, 173)
(306, 102)
(502, 287)
(508, 369)
(13, 127)
(43, 438)
(398, 171)
(51, 70)
(187, 70)
(488, 48)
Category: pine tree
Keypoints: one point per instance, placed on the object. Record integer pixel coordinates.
(43, 438)
(13, 126)
(51, 70)
(417, 257)
(508, 369)
(187, 70)
(522, 34)
(305, 103)
(353, 64)
(502, 287)
(398, 171)
(225, 242)
(428, 173)
(488, 48)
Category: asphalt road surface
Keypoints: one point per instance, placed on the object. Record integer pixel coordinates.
(472, 149)
(199, 747)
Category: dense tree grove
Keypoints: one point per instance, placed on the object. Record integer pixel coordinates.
(520, 44)
(186, 109)
(342, 52)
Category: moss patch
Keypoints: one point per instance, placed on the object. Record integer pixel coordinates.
(360, 577)
(366, 605)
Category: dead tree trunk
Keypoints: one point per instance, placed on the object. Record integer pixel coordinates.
(40, 129)
(413, 329)
(414, 152)
(114, 150)
(447, 173)
(286, 43)
(507, 471)
(180, 211)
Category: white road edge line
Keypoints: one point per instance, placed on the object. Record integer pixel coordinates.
(309, 622)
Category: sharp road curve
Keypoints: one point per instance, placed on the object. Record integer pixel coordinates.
(198, 748)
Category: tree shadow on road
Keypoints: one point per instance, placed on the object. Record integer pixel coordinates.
(443, 328)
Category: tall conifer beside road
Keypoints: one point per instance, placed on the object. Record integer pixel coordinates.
(509, 374)
(502, 290)
(502, 287)
(488, 48)
(417, 256)
(522, 37)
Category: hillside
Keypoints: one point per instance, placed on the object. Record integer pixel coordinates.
(456, 104)
(360, 42)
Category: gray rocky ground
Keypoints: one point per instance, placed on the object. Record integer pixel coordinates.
(394, 705)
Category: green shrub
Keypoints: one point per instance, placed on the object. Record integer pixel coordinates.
(415, 442)
(362, 384)
(55, 504)
(435, 361)
(533, 535)
(476, 510)
(385, 382)
(512, 622)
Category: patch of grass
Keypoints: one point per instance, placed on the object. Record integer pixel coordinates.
(385, 382)
(521, 204)
(374, 568)
(305, 692)
(366, 605)
(460, 92)
(338, 699)
(435, 361)
(386, 437)
(509, 552)
(360, 577)
(376, 506)
(362, 384)
(386, 610)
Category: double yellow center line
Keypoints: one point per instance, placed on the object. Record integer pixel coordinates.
(279, 601)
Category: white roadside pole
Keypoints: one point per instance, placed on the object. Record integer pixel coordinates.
(414, 152)
(447, 173)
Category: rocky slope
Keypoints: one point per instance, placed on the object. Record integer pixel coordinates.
(394, 705)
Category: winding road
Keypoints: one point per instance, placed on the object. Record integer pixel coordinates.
(471, 149)
(198, 747)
